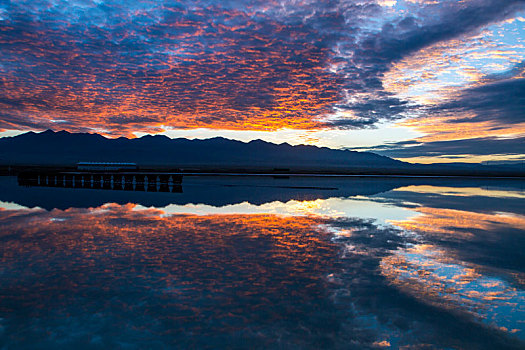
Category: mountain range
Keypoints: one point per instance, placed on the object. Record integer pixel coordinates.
(62, 148)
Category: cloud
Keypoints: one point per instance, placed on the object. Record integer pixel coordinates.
(339, 286)
(172, 65)
(374, 54)
(487, 119)
(254, 65)
(501, 101)
(474, 146)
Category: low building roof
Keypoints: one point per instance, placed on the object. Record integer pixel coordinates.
(104, 163)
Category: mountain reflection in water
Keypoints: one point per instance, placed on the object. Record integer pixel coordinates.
(265, 263)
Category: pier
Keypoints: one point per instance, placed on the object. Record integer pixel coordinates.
(107, 180)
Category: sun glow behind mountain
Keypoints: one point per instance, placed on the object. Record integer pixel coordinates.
(414, 80)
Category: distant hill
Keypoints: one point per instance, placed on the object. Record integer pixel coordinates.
(64, 148)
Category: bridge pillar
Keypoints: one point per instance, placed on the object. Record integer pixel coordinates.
(117, 185)
(164, 183)
(77, 180)
(68, 180)
(96, 181)
(152, 183)
(118, 181)
(106, 182)
(128, 182)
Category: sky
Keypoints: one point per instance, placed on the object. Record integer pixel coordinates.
(417, 80)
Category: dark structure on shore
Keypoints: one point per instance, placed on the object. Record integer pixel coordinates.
(98, 166)
(111, 176)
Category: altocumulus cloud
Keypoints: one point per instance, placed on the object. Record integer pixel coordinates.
(118, 68)
(496, 102)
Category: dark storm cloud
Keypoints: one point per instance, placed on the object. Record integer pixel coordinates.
(260, 65)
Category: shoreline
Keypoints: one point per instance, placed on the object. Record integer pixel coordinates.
(415, 172)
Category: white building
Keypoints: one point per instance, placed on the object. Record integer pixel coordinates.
(94, 166)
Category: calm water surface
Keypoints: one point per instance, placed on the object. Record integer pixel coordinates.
(232, 262)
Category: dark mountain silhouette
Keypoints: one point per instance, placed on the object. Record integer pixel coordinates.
(63, 148)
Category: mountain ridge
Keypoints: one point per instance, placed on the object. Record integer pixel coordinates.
(61, 147)
(218, 154)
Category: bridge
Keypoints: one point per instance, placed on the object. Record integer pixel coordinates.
(109, 180)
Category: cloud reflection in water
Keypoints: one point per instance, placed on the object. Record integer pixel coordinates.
(295, 274)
